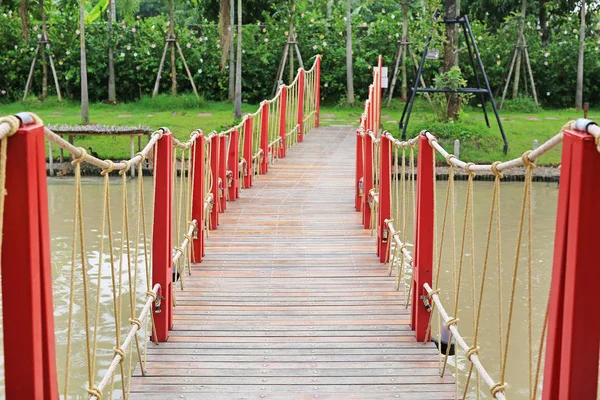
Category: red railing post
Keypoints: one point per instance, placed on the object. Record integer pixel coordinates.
(162, 246)
(367, 179)
(359, 172)
(28, 314)
(214, 173)
(318, 91)
(264, 137)
(424, 228)
(233, 183)
(223, 172)
(282, 121)
(385, 181)
(301, 86)
(247, 173)
(377, 97)
(198, 195)
(571, 364)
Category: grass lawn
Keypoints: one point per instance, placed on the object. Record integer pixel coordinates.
(521, 128)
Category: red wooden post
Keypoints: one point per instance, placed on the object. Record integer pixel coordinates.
(359, 172)
(28, 314)
(377, 97)
(223, 172)
(233, 182)
(198, 203)
(571, 364)
(247, 173)
(214, 173)
(162, 246)
(424, 226)
(264, 137)
(367, 179)
(282, 121)
(318, 91)
(301, 85)
(385, 197)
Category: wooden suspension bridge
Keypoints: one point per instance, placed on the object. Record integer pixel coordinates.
(258, 268)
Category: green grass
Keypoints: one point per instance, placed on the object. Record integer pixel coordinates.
(184, 114)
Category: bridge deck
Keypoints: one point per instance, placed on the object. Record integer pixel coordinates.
(290, 301)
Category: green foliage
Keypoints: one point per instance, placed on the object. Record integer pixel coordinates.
(167, 102)
(521, 104)
(452, 80)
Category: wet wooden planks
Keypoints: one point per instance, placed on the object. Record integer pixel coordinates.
(290, 301)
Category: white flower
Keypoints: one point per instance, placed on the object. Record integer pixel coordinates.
(205, 38)
(122, 54)
(135, 54)
(324, 44)
(201, 60)
(68, 52)
(17, 47)
(393, 16)
(199, 71)
(326, 85)
(547, 93)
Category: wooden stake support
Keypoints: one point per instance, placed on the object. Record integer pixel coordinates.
(42, 42)
(521, 46)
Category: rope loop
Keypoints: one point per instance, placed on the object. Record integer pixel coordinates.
(136, 322)
(495, 171)
(468, 169)
(151, 294)
(127, 167)
(141, 155)
(451, 321)
(81, 158)
(120, 352)
(598, 142)
(109, 169)
(472, 350)
(179, 249)
(95, 392)
(436, 291)
(498, 388)
(525, 158)
(14, 123)
(449, 158)
(186, 236)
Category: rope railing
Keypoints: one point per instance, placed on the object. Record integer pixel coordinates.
(192, 181)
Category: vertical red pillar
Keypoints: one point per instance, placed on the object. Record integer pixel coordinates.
(162, 246)
(282, 121)
(359, 172)
(233, 182)
(377, 97)
(214, 173)
(571, 364)
(28, 314)
(385, 182)
(264, 137)
(247, 173)
(198, 203)
(301, 86)
(424, 227)
(223, 172)
(318, 91)
(367, 179)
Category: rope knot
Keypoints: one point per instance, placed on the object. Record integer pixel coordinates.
(81, 158)
(498, 388)
(495, 171)
(13, 122)
(120, 352)
(449, 158)
(526, 161)
(95, 392)
(179, 249)
(109, 169)
(151, 294)
(127, 167)
(471, 351)
(468, 169)
(136, 322)
(141, 155)
(436, 291)
(451, 321)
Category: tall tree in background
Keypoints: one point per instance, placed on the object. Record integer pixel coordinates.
(172, 36)
(85, 117)
(449, 58)
(579, 91)
(349, 71)
(404, 5)
(226, 26)
(520, 45)
(112, 17)
(238, 65)
(231, 94)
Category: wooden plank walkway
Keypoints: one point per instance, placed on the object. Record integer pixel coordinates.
(290, 301)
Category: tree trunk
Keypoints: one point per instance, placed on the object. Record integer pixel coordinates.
(579, 92)
(112, 95)
(543, 16)
(85, 117)
(43, 51)
(404, 48)
(349, 71)
(291, 37)
(231, 96)
(238, 65)
(515, 92)
(449, 59)
(172, 44)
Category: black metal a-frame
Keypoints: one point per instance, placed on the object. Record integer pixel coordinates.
(481, 91)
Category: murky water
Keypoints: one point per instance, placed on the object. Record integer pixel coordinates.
(60, 193)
